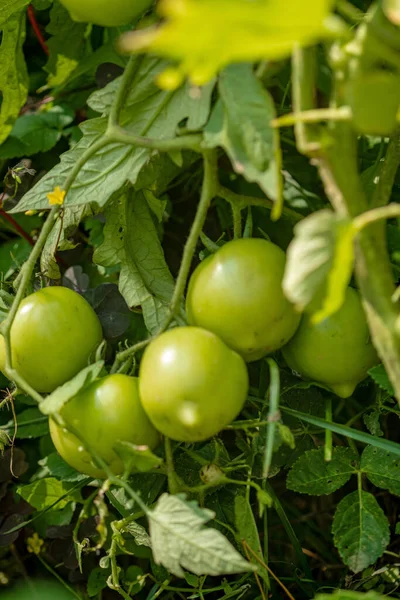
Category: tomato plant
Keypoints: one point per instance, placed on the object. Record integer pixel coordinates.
(149, 150)
(54, 333)
(237, 294)
(107, 411)
(120, 12)
(337, 352)
(191, 384)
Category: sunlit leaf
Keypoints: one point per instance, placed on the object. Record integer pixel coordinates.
(206, 35)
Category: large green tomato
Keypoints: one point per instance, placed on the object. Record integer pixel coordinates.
(374, 98)
(107, 411)
(52, 337)
(191, 384)
(337, 352)
(237, 294)
(108, 13)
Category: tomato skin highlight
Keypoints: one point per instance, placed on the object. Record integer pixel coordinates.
(104, 12)
(337, 352)
(106, 411)
(54, 333)
(237, 294)
(191, 384)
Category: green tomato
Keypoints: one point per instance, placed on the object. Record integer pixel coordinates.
(237, 294)
(374, 98)
(106, 411)
(191, 384)
(337, 352)
(54, 333)
(105, 12)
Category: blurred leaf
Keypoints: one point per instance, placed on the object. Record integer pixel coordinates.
(31, 424)
(13, 254)
(13, 72)
(319, 263)
(349, 595)
(130, 238)
(97, 581)
(240, 123)
(311, 474)
(37, 132)
(203, 37)
(141, 536)
(38, 590)
(66, 45)
(360, 529)
(45, 492)
(137, 458)
(180, 540)
(382, 468)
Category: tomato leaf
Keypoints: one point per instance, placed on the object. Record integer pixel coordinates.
(137, 458)
(46, 492)
(131, 239)
(240, 123)
(54, 466)
(55, 401)
(30, 424)
(311, 474)
(360, 529)
(149, 112)
(206, 36)
(139, 533)
(319, 263)
(13, 72)
(180, 540)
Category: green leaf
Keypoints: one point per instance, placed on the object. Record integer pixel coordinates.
(13, 72)
(12, 255)
(31, 424)
(54, 466)
(240, 123)
(149, 112)
(55, 401)
(311, 474)
(382, 469)
(372, 422)
(59, 236)
(137, 458)
(9, 7)
(319, 263)
(97, 581)
(381, 378)
(131, 239)
(46, 492)
(360, 529)
(246, 528)
(139, 533)
(66, 45)
(349, 595)
(36, 133)
(204, 37)
(180, 541)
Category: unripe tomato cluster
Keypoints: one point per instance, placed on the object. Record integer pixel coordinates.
(193, 380)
